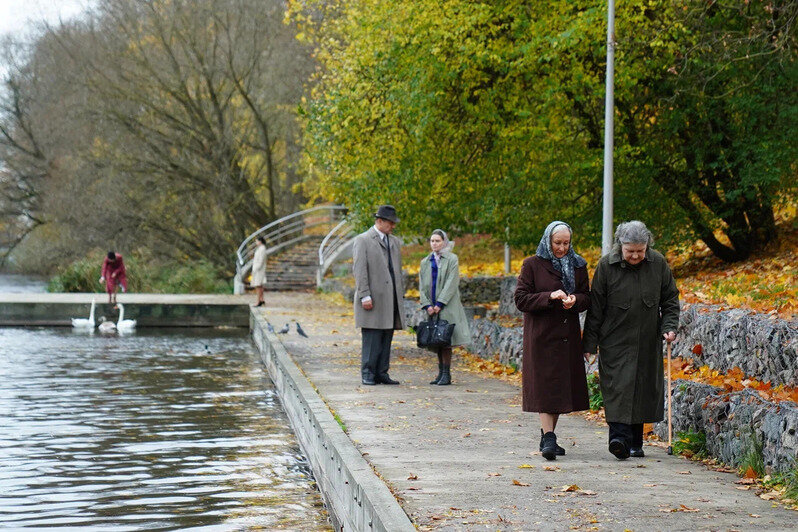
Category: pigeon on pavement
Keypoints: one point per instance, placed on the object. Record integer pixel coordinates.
(300, 331)
(269, 326)
(285, 329)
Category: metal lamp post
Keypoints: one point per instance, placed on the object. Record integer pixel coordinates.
(606, 227)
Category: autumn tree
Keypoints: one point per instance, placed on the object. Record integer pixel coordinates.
(185, 136)
(479, 116)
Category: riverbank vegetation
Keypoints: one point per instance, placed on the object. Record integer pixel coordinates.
(144, 274)
(160, 127)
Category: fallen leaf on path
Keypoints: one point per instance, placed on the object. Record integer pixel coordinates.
(551, 468)
(746, 481)
(519, 483)
(588, 492)
(526, 466)
(466, 435)
(683, 508)
(754, 515)
(769, 496)
(412, 476)
(744, 488)
(684, 473)
(572, 487)
(412, 488)
(650, 485)
(750, 473)
(494, 474)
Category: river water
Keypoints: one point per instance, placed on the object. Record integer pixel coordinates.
(159, 430)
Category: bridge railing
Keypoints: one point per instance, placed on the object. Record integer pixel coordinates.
(334, 247)
(284, 233)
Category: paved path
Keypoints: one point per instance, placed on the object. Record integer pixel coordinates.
(452, 455)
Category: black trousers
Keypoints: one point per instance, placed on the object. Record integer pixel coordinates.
(376, 353)
(631, 435)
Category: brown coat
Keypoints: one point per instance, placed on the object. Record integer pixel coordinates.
(553, 366)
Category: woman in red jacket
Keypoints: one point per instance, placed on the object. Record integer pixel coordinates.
(113, 275)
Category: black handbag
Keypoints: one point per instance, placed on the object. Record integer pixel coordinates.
(434, 332)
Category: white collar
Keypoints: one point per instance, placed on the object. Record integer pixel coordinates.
(382, 235)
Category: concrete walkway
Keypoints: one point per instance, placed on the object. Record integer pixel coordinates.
(465, 457)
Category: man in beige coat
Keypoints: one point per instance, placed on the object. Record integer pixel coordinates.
(379, 293)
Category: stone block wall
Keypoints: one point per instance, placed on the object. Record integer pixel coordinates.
(473, 290)
(761, 345)
(733, 421)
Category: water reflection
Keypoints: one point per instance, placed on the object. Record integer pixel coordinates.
(155, 430)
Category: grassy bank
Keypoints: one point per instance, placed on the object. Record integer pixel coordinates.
(198, 277)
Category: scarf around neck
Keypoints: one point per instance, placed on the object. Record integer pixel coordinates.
(567, 263)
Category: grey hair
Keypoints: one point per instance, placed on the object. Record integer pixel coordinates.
(634, 232)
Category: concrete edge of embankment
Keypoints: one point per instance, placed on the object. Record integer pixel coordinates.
(356, 498)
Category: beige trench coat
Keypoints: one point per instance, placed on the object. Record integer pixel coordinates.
(259, 267)
(370, 268)
(447, 291)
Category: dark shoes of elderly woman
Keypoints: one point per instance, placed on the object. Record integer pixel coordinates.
(548, 446)
(619, 448)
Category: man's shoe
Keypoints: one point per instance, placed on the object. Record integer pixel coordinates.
(636, 452)
(560, 450)
(386, 380)
(369, 382)
(619, 449)
(549, 450)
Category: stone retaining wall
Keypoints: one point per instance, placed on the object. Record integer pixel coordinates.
(733, 421)
(356, 498)
(761, 345)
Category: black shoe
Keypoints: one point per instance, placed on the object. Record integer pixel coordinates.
(446, 376)
(636, 452)
(549, 449)
(560, 450)
(619, 449)
(260, 303)
(369, 382)
(386, 380)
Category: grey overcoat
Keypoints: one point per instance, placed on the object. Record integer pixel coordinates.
(630, 309)
(447, 291)
(370, 268)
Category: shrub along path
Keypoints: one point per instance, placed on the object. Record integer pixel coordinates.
(464, 457)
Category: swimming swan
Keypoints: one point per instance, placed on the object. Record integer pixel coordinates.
(84, 323)
(106, 326)
(123, 324)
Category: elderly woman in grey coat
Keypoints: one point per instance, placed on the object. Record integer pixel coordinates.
(439, 290)
(634, 306)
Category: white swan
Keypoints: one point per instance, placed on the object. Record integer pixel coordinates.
(106, 326)
(123, 324)
(84, 323)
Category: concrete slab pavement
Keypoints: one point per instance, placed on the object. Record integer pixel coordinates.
(464, 457)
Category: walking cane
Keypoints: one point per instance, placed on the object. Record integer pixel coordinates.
(670, 422)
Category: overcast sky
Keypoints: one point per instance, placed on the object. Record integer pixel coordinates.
(17, 16)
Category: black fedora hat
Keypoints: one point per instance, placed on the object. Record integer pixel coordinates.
(387, 212)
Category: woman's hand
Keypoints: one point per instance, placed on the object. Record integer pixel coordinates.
(669, 336)
(587, 358)
(430, 311)
(569, 301)
(558, 294)
(436, 309)
(102, 280)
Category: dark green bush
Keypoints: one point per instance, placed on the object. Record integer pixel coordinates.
(691, 444)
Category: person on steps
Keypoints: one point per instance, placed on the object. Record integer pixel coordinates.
(259, 270)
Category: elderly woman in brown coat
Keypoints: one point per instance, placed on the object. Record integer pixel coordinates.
(634, 307)
(552, 290)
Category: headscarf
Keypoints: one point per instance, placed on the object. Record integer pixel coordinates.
(567, 263)
(447, 244)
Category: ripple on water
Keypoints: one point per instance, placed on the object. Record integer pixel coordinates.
(156, 430)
